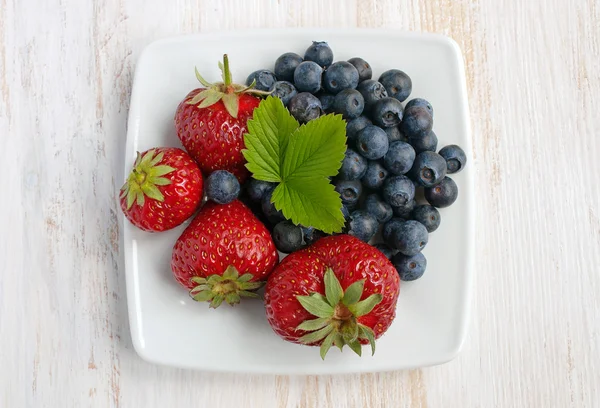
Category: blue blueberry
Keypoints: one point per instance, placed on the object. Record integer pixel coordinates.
(285, 66)
(405, 211)
(381, 210)
(372, 91)
(428, 216)
(362, 225)
(419, 102)
(455, 157)
(442, 195)
(268, 208)
(410, 268)
(326, 101)
(374, 176)
(349, 191)
(429, 168)
(424, 142)
(387, 112)
(264, 79)
(416, 122)
(256, 189)
(319, 52)
(349, 103)
(305, 107)
(307, 77)
(287, 237)
(410, 237)
(311, 235)
(386, 250)
(339, 76)
(372, 142)
(399, 158)
(397, 84)
(394, 134)
(354, 126)
(398, 191)
(284, 90)
(364, 69)
(345, 212)
(353, 166)
(389, 229)
(222, 187)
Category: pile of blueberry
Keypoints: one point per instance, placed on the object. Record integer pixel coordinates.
(391, 180)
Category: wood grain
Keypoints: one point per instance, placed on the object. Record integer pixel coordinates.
(66, 69)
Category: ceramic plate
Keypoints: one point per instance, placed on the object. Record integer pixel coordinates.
(167, 327)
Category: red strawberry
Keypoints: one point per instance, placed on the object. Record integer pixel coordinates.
(163, 189)
(338, 291)
(222, 243)
(211, 123)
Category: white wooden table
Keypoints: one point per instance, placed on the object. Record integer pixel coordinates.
(66, 69)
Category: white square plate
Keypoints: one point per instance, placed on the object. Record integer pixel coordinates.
(169, 328)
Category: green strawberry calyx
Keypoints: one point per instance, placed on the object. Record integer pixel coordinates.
(225, 91)
(337, 316)
(144, 179)
(229, 287)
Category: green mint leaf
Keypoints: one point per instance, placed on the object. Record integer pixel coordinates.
(267, 139)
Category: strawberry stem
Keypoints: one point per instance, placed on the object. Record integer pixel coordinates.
(226, 72)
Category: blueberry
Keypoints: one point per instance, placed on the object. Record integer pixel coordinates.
(353, 166)
(442, 195)
(416, 121)
(405, 211)
(307, 77)
(311, 235)
(349, 191)
(356, 125)
(399, 158)
(394, 134)
(349, 103)
(424, 142)
(372, 142)
(389, 228)
(364, 69)
(381, 210)
(362, 225)
(386, 250)
(397, 84)
(264, 79)
(428, 169)
(287, 237)
(372, 91)
(345, 212)
(222, 187)
(410, 237)
(374, 176)
(428, 216)
(398, 191)
(326, 101)
(284, 90)
(419, 102)
(256, 189)
(455, 157)
(320, 53)
(286, 65)
(387, 112)
(305, 107)
(273, 215)
(410, 268)
(339, 76)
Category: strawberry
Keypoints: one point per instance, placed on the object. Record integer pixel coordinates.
(225, 253)
(163, 189)
(338, 291)
(211, 123)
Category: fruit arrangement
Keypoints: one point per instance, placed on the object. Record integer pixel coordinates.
(314, 159)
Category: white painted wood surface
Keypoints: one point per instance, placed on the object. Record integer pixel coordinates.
(66, 69)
